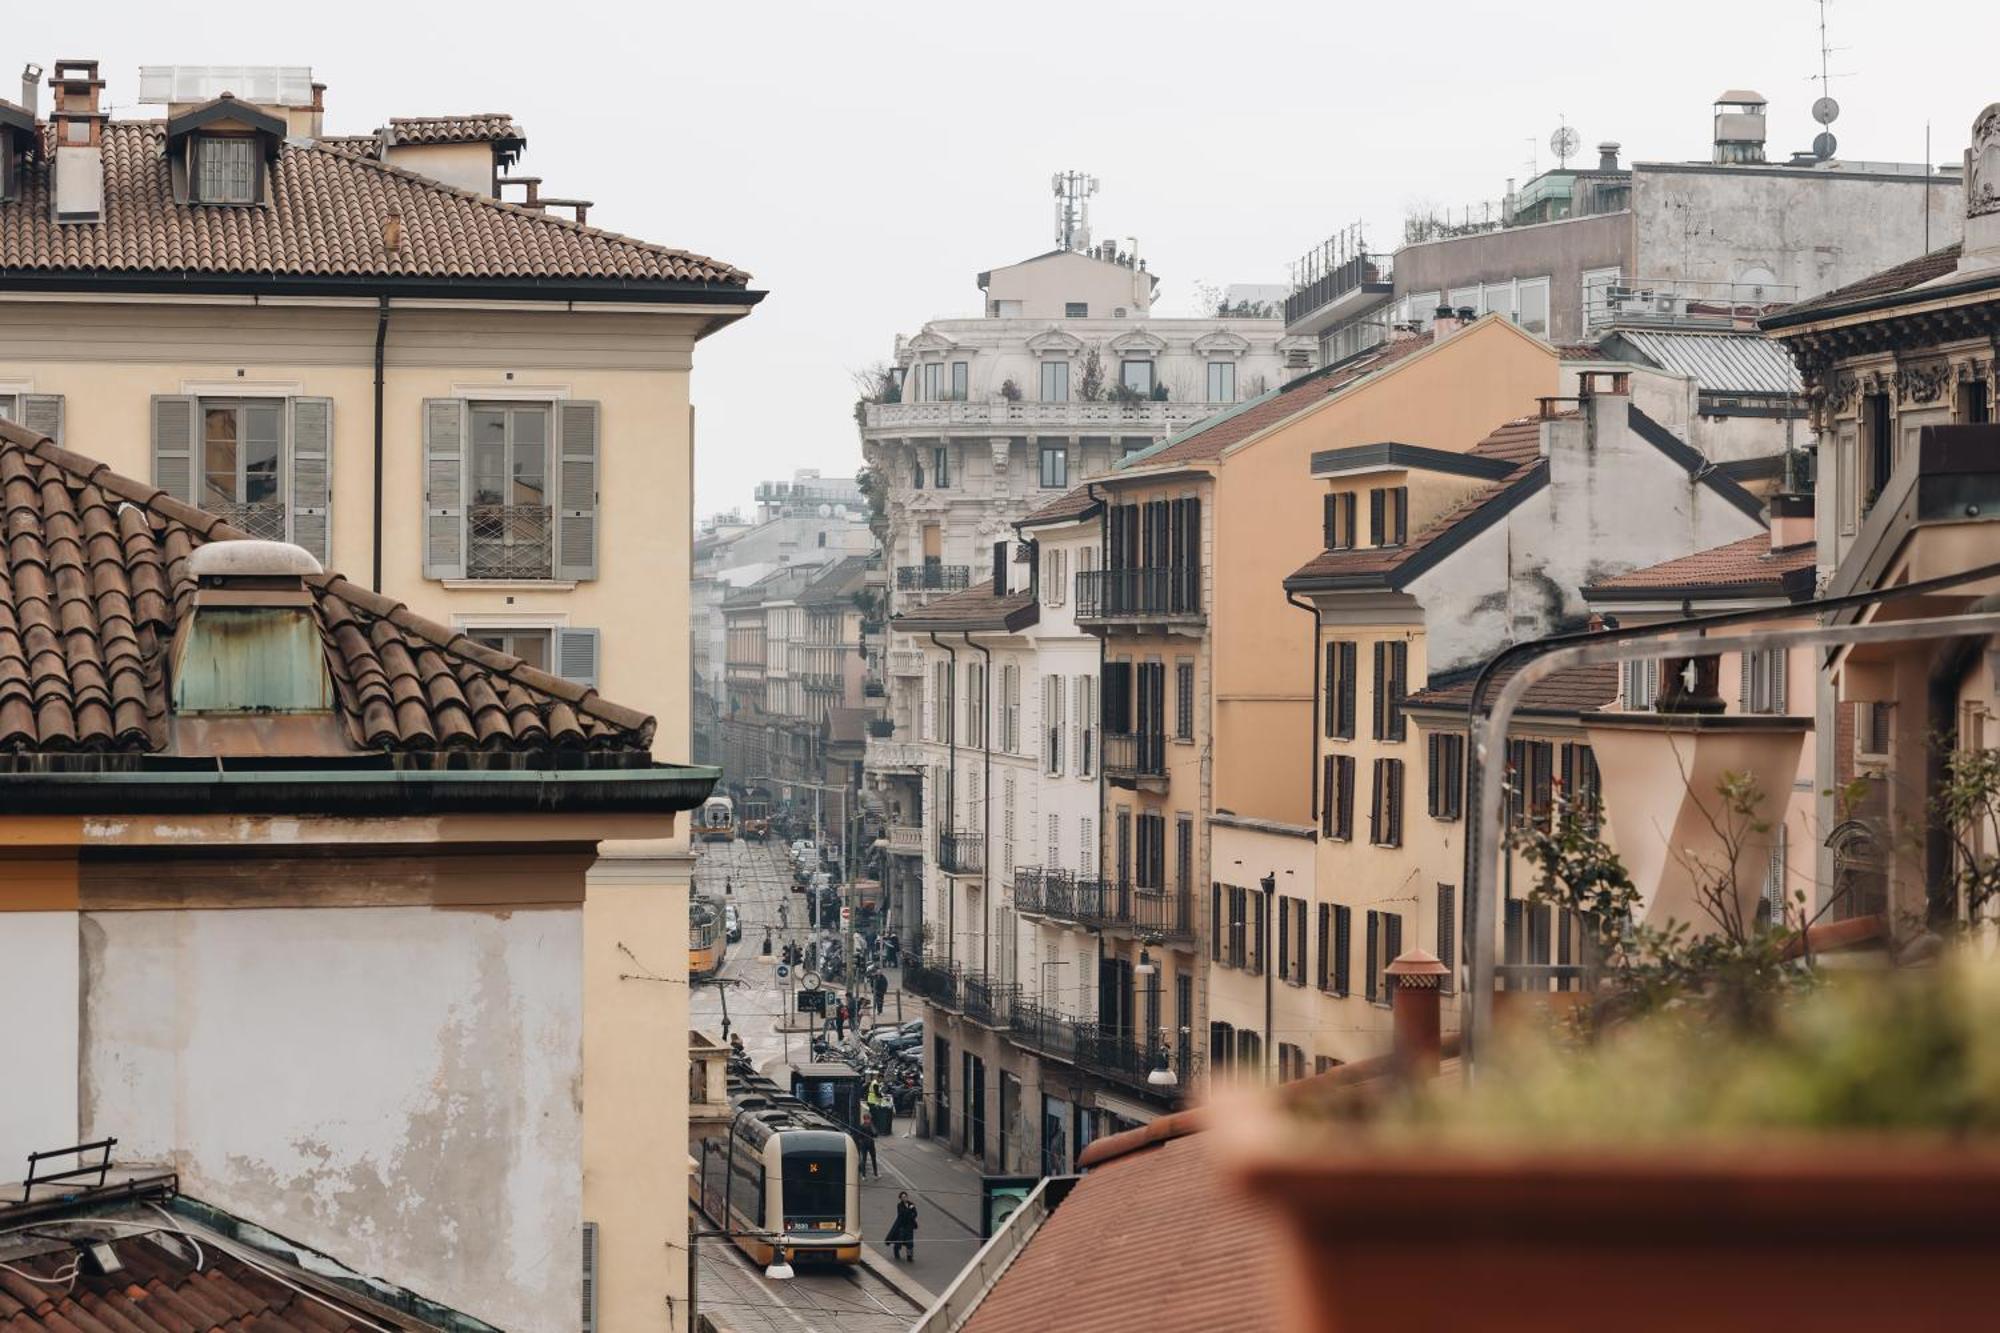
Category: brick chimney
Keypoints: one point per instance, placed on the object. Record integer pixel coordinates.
(1418, 981)
(1791, 521)
(1444, 322)
(79, 136)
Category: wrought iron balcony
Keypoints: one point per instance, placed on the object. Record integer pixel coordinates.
(1104, 904)
(987, 1000)
(1332, 277)
(1042, 1030)
(1148, 415)
(1116, 1054)
(508, 542)
(1168, 593)
(1127, 758)
(939, 982)
(962, 852)
(929, 577)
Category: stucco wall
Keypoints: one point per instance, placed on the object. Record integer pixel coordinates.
(37, 979)
(1559, 251)
(337, 1075)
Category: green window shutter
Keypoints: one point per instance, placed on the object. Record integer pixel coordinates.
(576, 655)
(311, 474)
(1374, 964)
(43, 414)
(1392, 949)
(1447, 935)
(444, 488)
(1343, 946)
(173, 445)
(577, 490)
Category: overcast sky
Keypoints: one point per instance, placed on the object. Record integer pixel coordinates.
(865, 161)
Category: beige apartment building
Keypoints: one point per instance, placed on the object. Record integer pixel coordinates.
(477, 406)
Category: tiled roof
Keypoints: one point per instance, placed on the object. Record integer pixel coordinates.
(95, 582)
(1207, 441)
(1739, 567)
(1580, 352)
(1578, 689)
(973, 608)
(1156, 1241)
(484, 127)
(158, 1291)
(1075, 504)
(1517, 441)
(1924, 268)
(326, 218)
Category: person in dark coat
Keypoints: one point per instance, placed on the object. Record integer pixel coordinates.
(903, 1231)
(881, 984)
(840, 1022)
(864, 1158)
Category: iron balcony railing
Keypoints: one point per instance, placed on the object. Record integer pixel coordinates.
(1172, 592)
(1135, 756)
(987, 1001)
(1325, 277)
(928, 577)
(1104, 904)
(962, 852)
(508, 542)
(1112, 1053)
(1042, 1030)
(939, 982)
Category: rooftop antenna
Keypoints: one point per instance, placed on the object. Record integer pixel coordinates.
(1072, 190)
(1824, 109)
(1564, 142)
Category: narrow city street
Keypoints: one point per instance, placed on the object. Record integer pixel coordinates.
(880, 1294)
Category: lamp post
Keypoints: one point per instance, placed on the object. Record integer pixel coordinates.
(778, 1270)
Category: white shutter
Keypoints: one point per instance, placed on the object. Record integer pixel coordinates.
(576, 490)
(576, 655)
(43, 413)
(1780, 664)
(1748, 684)
(589, 1288)
(173, 445)
(311, 473)
(444, 488)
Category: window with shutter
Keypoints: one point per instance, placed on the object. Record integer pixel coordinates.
(1324, 976)
(42, 413)
(1376, 516)
(577, 655)
(1447, 935)
(1373, 960)
(1328, 797)
(1329, 685)
(311, 475)
(1343, 944)
(1392, 949)
(1215, 923)
(173, 445)
(1284, 937)
(1260, 906)
(1343, 826)
(577, 486)
(1327, 531)
(1184, 699)
(1348, 657)
(444, 488)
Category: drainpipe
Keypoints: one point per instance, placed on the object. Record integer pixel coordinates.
(1270, 886)
(1090, 489)
(381, 338)
(985, 812)
(950, 774)
(1312, 757)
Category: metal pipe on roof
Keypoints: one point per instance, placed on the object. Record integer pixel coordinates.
(381, 339)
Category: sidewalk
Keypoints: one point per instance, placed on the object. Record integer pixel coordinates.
(946, 1189)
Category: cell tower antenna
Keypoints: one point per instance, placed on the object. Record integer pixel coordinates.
(1072, 190)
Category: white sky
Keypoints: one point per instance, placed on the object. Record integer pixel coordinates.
(865, 161)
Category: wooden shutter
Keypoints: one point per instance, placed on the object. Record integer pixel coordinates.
(173, 445)
(1343, 946)
(1395, 803)
(1447, 936)
(1327, 528)
(1348, 655)
(1327, 794)
(311, 476)
(1346, 823)
(43, 414)
(1399, 674)
(444, 488)
(1779, 662)
(1284, 937)
(1746, 682)
(1215, 922)
(1392, 949)
(1118, 697)
(577, 490)
(1434, 774)
(576, 655)
(1325, 943)
(1378, 726)
(1402, 529)
(1374, 967)
(1375, 517)
(1329, 687)
(589, 1288)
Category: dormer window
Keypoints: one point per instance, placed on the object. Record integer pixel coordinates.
(225, 170)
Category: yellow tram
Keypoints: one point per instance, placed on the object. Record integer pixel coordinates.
(708, 939)
(716, 820)
(784, 1176)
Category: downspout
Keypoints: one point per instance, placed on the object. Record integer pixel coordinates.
(381, 339)
(1270, 886)
(950, 775)
(985, 811)
(1090, 489)
(1312, 756)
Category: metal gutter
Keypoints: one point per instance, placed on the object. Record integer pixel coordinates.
(380, 792)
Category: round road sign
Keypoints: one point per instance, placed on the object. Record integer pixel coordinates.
(783, 971)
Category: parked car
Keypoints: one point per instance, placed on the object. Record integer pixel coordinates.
(889, 1040)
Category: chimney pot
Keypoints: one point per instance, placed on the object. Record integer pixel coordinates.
(1418, 978)
(1466, 314)
(1607, 155)
(1792, 522)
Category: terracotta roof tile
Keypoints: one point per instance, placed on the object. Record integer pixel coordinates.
(483, 127)
(95, 580)
(1900, 277)
(158, 1291)
(1739, 566)
(1074, 504)
(1208, 440)
(1156, 1241)
(972, 608)
(1579, 689)
(325, 219)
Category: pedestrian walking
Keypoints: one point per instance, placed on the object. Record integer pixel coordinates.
(840, 1017)
(865, 1159)
(880, 982)
(881, 1110)
(784, 916)
(903, 1231)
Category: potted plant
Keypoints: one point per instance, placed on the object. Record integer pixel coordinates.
(1730, 1140)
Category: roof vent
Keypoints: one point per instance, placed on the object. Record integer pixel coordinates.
(1739, 126)
(251, 642)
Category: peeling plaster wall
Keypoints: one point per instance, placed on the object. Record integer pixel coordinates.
(399, 1087)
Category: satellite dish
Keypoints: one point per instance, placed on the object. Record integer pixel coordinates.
(1823, 145)
(1826, 111)
(840, 511)
(826, 511)
(1564, 143)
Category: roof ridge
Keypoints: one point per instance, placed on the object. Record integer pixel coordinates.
(533, 215)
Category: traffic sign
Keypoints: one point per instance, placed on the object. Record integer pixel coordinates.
(846, 916)
(783, 971)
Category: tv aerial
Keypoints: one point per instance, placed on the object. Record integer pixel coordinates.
(1564, 143)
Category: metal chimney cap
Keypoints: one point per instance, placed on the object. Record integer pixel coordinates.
(248, 558)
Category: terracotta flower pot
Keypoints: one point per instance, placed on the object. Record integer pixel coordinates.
(1821, 1235)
